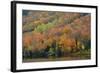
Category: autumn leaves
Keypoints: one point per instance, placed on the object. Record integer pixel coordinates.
(55, 34)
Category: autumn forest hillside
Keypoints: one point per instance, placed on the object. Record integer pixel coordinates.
(51, 35)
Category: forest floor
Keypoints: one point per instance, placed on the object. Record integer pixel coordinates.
(81, 55)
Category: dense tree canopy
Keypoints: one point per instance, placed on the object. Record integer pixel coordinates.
(47, 33)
